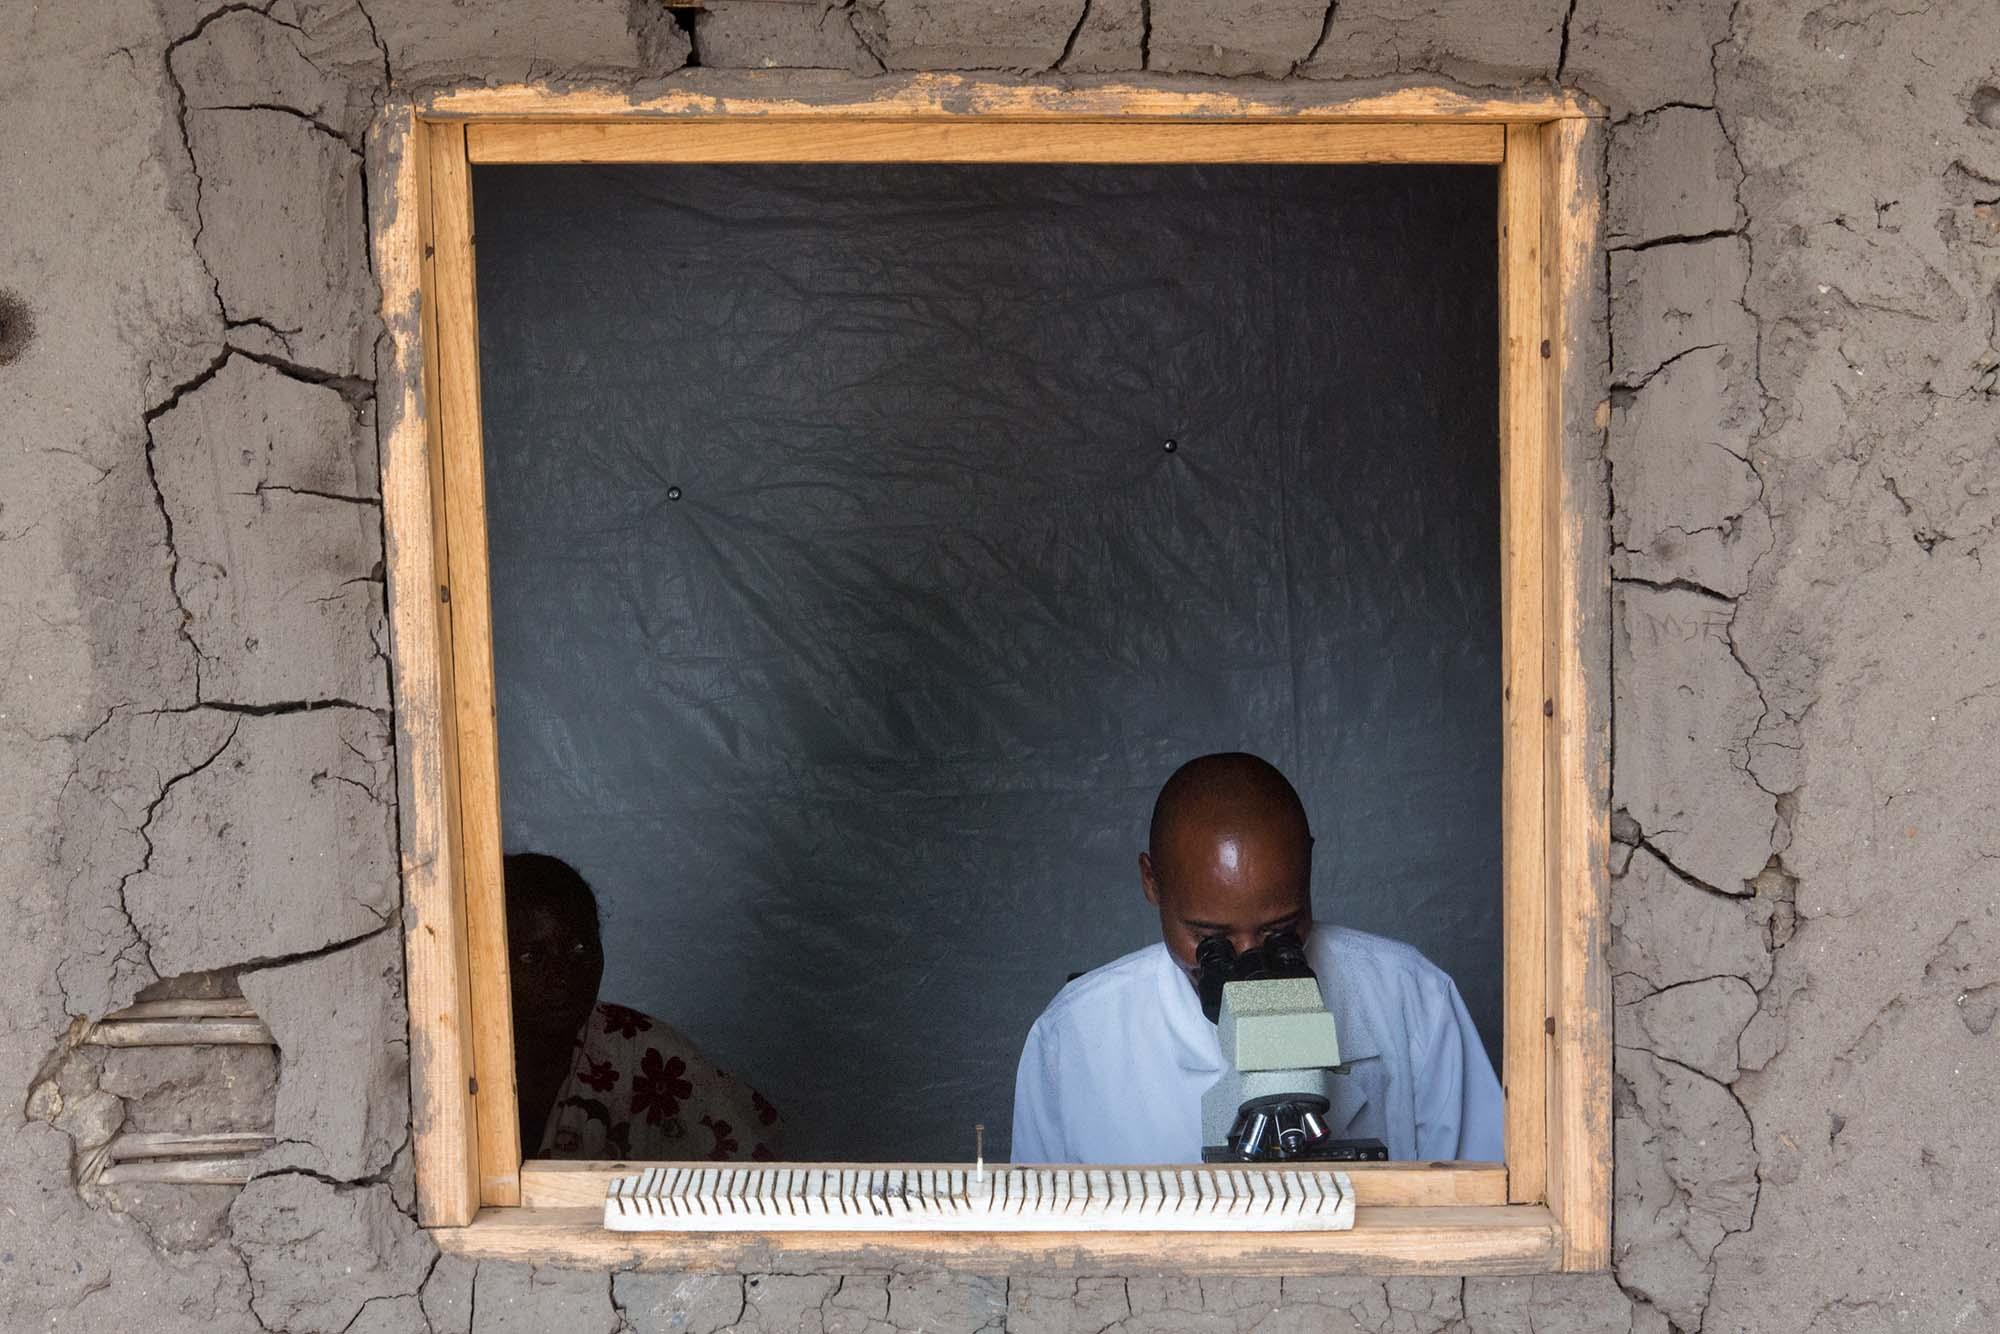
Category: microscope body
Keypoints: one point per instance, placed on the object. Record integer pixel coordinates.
(1281, 1055)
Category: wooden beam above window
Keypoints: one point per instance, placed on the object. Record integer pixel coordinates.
(943, 140)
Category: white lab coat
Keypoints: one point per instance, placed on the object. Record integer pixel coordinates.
(1114, 1070)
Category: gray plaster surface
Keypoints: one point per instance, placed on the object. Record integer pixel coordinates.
(278, 536)
(1687, 502)
(1801, 415)
(768, 34)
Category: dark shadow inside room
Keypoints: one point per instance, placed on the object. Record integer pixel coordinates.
(869, 543)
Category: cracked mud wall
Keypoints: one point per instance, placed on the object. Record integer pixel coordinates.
(1802, 435)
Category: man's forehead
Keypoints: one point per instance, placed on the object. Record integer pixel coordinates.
(1231, 836)
(1258, 920)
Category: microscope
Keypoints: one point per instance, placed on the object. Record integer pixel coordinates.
(1281, 1056)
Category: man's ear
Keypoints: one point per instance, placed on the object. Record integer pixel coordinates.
(1147, 879)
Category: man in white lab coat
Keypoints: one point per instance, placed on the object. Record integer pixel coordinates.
(1114, 1070)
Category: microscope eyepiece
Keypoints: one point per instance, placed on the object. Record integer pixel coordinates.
(1214, 968)
(1285, 955)
(1282, 954)
(1217, 964)
(1215, 954)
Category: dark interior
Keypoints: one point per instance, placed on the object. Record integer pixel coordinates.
(869, 543)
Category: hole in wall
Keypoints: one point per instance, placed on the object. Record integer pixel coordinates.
(17, 327)
(684, 18)
(1986, 106)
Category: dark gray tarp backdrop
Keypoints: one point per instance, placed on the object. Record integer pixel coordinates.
(849, 605)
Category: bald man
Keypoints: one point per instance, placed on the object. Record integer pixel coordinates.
(1114, 1070)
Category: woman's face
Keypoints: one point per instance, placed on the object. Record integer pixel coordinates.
(556, 960)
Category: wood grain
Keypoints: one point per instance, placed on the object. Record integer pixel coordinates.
(443, 1119)
(893, 97)
(229, 1007)
(231, 1170)
(1414, 1218)
(455, 297)
(180, 1033)
(1505, 1239)
(946, 140)
(1523, 579)
(1579, 1099)
(137, 1144)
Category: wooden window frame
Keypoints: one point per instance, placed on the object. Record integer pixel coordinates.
(1548, 1206)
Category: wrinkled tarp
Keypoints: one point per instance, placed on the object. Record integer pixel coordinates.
(869, 543)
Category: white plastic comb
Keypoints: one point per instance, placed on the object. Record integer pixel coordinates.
(1007, 1199)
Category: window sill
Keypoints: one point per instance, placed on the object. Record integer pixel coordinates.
(1385, 1239)
(561, 1182)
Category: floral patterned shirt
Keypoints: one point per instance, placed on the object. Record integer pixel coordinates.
(637, 1089)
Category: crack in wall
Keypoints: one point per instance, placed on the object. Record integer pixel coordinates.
(1325, 30)
(1773, 885)
(271, 708)
(265, 488)
(1769, 729)
(851, 11)
(1676, 584)
(375, 36)
(1653, 242)
(1069, 45)
(355, 389)
(187, 138)
(284, 336)
(1727, 526)
(1629, 387)
(358, 394)
(339, 1184)
(319, 126)
(185, 619)
(145, 836)
(1639, 839)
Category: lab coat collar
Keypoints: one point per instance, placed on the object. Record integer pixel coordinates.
(1353, 1010)
(1196, 1047)
(1354, 1027)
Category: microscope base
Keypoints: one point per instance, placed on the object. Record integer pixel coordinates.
(1332, 1151)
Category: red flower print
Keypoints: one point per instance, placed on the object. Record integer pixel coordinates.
(658, 1088)
(618, 1138)
(766, 1113)
(762, 1153)
(625, 1023)
(725, 1143)
(600, 1075)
